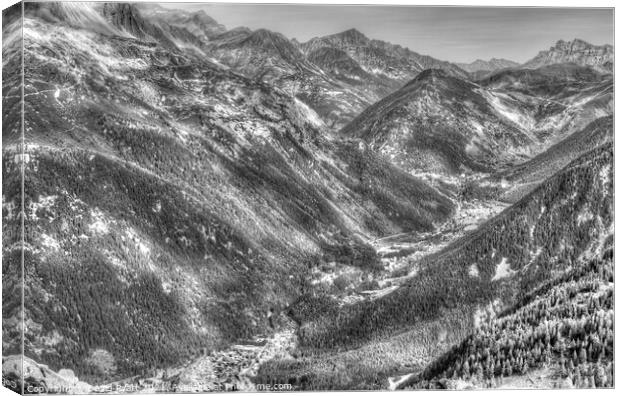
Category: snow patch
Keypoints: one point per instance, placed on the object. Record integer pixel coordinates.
(44, 202)
(99, 225)
(486, 313)
(310, 115)
(584, 216)
(10, 208)
(251, 127)
(478, 128)
(510, 114)
(473, 271)
(604, 176)
(472, 147)
(503, 270)
(75, 204)
(394, 382)
(49, 242)
(142, 247)
(48, 201)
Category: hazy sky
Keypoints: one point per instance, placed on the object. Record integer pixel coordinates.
(448, 33)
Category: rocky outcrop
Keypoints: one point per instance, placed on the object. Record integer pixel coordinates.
(576, 51)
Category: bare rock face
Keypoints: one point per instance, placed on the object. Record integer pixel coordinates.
(442, 124)
(381, 58)
(197, 24)
(124, 16)
(576, 51)
(491, 65)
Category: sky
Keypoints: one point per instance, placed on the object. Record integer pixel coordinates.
(454, 34)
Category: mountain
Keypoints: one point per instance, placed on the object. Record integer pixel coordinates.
(261, 53)
(555, 237)
(380, 58)
(600, 57)
(270, 57)
(556, 100)
(491, 65)
(171, 202)
(191, 208)
(337, 75)
(198, 23)
(441, 124)
(11, 78)
(558, 79)
(175, 29)
(438, 123)
(572, 350)
(526, 176)
(12, 230)
(78, 15)
(338, 63)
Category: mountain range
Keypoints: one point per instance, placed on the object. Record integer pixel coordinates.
(491, 65)
(576, 51)
(345, 213)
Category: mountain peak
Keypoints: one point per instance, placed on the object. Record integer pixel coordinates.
(353, 36)
(266, 35)
(576, 51)
(562, 44)
(202, 16)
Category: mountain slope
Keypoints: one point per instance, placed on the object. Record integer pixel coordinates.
(558, 336)
(165, 193)
(11, 75)
(198, 23)
(439, 123)
(491, 65)
(336, 96)
(12, 166)
(337, 62)
(550, 80)
(577, 51)
(338, 75)
(380, 58)
(506, 269)
(452, 292)
(557, 100)
(525, 177)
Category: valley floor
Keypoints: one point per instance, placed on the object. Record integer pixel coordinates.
(235, 367)
(230, 369)
(400, 253)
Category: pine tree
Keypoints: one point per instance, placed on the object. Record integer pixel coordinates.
(577, 379)
(591, 382)
(465, 370)
(600, 376)
(582, 355)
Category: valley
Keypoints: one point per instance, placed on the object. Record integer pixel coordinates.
(229, 209)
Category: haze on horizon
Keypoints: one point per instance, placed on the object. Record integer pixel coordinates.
(456, 34)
